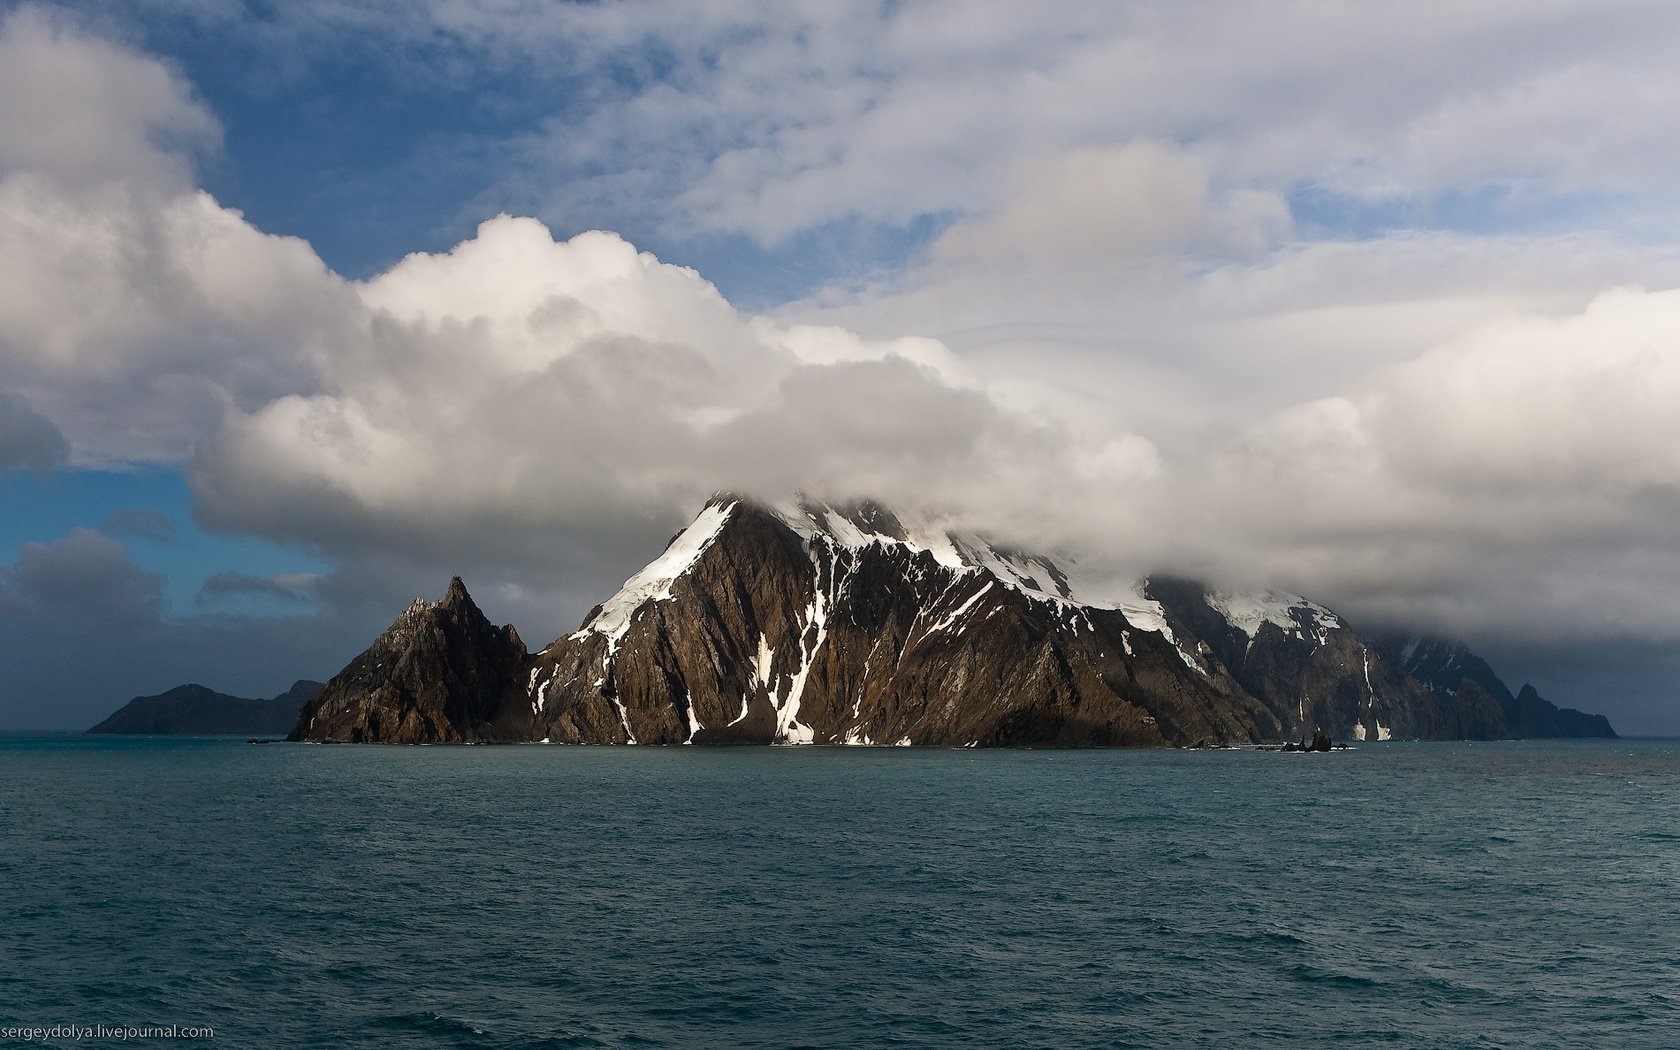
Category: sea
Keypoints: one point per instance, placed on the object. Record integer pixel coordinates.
(206, 890)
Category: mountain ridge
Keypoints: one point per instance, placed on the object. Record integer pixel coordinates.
(815, 622)
(1450, 669)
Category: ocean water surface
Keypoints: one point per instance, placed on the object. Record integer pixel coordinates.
(1518, 894)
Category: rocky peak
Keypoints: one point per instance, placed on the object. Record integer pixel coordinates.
(441, 672)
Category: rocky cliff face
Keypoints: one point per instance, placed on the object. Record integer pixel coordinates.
(823, 624)
(441, 673)
(1303, 663)
(849, 624)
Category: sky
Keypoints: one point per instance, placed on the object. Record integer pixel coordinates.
(306, 307)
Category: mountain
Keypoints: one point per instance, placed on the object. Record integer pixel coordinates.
(852, 625)
(815, 622)
(195, 710)
(441, 673)
(1304, 664)
(1452, 671)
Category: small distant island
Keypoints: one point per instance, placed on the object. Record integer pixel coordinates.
(194, 710)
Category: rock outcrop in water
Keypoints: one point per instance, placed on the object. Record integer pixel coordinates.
(819, 623)
(193, 710)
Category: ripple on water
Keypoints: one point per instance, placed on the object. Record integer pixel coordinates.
(597, 897)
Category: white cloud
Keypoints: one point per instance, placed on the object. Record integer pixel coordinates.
(91, 112)
(516, 389)
(770, 120)
(132, 323)
(1114, 207)
(768, 125)
(1520, 480)
(134, 309)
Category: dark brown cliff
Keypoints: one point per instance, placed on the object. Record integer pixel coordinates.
(441, 673)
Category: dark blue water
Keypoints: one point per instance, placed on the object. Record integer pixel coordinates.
(1515, 894)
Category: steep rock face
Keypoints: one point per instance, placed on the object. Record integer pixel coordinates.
(1475, 714)
(196, 710)
(847, 625)
(1463, 679)
(1303, 663)
(440, 673)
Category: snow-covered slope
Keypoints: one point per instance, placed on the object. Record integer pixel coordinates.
(653, 582)
(1295, 615)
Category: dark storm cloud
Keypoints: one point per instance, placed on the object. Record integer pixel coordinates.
(84, 582)
(28, 440)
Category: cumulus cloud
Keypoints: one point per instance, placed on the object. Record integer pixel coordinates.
(132, 324)
(1463, 432)
(1520, 479)
(85, 582)
(133, 307)
(518, 390)
(92, 112)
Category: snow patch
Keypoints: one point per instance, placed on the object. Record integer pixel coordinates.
(1039, 578)
(624, 720)
(1246, 612)
(960, 610)
(742, 717)
(653, 582)
(694, 725)
(813, 632)
(761, 663)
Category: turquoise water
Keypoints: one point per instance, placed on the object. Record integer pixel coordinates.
(1511, 894)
